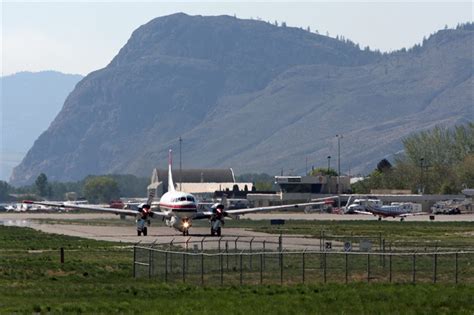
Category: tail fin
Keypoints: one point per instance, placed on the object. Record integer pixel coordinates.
(170, 173)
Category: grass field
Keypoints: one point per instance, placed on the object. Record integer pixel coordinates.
(97, 278)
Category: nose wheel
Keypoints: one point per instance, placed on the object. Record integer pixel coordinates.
(186, 232)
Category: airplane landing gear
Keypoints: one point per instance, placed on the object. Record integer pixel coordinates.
(186, 232)
(380, 219)
(217, 231)
(144, 231)
(402, 219)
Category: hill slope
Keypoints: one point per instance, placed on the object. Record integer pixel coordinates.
(30, 101)
(252, 96)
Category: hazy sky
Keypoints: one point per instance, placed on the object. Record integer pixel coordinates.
(79, 37)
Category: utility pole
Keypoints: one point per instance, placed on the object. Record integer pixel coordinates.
(422, 189)
(180, 166)
(306, 174)
(328, 176)
(339, 137)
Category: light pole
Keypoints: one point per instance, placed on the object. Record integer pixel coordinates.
(328, 176)
(339, 137)
(422, 189)
(180, 166)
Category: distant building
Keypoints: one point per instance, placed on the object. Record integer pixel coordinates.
(292, 189)
(200, 182)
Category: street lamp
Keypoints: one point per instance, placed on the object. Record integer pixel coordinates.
(180, 166)
(422, 189)
(328, 176)
(339, 137)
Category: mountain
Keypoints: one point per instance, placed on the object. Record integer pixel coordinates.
(30, 101)
(252, 96)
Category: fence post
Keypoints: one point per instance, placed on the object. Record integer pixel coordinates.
(166, 266)
(347, 267)
(235, 248)
(324, 266)
(414, 268)
(280, 243)
(324, 239)
(171, 256)
(435, 266)
(221, 260)
(187, 241)
(261, 268)
(380, 248)
(219, 246)
(134, 260)
(227, 254)
(202, 243)
(251, 256)
(320, 240)
(281, 267)
(390, 268)
(263, 262)
(456, 268)
(368, 267)
(241, 268)
(150, 263)
(383, 253)
(61, 254)
(202, 268)
(303, 264)
(184, 268)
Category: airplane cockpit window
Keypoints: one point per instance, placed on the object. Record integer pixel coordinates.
(190, 198)
(182, 198)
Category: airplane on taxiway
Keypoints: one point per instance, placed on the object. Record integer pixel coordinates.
(178, 209)
(395, 211)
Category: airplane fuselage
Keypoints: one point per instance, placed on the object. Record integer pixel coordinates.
(179, 204)
(388, 211)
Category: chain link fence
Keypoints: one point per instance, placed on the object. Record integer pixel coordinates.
(253, 261)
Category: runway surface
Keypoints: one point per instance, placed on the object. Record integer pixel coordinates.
(126, 231)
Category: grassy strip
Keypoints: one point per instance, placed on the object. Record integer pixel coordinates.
(96, 278)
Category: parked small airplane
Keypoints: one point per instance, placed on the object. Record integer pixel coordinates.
(178, 209)
(395, 211)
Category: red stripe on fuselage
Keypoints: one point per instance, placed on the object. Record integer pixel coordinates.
(178, 207)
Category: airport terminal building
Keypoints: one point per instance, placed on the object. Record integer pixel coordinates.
(200, 182)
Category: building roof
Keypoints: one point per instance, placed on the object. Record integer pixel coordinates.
(194, 176)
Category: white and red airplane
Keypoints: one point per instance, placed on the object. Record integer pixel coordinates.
(395, 211)
(178, 209)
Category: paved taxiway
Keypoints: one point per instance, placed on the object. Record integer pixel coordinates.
(127, 233)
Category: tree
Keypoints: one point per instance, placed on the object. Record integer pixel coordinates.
(5, 190)
(101, 189)
(42, 185)
(384, 166)
(323, 171)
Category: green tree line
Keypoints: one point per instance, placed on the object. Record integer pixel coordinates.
(437, 161)
(93, 188)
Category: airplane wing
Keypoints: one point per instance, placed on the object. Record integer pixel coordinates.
(364, 212)
(315, 202)
(410, 214)
(92, 208)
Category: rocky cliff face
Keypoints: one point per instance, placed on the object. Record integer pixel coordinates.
(252, 96)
